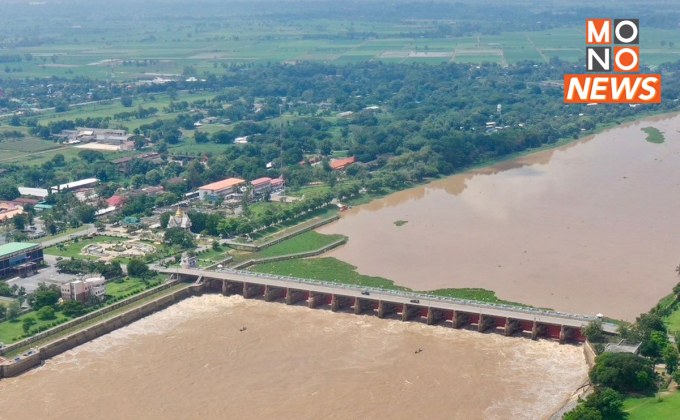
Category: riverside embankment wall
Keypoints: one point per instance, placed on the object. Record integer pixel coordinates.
(66, 343)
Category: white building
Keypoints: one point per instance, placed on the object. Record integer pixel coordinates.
(81, 290)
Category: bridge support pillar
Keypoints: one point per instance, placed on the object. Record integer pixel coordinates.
(339, 302)
(460, 319)
(486, 322)
(385, 308)
(316, 299)
(293, 296)
(434, 316)
(225, 289)
(566, 333)
(250, 290)
(408, 311)
(537, 330)
(272, 293)
(361, 305)
(511, 326)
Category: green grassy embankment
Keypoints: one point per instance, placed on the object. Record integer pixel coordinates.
(334, 270)
(651, 408)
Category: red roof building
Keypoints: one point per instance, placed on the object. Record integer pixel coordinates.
(115, 201)
(342, 164)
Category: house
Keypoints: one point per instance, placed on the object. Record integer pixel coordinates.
(33, 192)
(21, 201)
(261, 185)
(9, 209)
(277, 184)
(116, 201)
(342, 164)
(87, 182)
(241, 140)
(225, 188)
(82, 290)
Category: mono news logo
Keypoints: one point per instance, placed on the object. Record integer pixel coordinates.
(612, 67)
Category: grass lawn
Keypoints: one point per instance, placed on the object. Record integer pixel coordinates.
(308, 241)
(650, 409)
(72, 248)
(11, 331)
(332, 269)
(131, 285)
(673, 320)
(212, 256)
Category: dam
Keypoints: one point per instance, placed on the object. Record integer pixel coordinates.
(430, 309)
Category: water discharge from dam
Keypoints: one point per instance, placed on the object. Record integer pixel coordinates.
(591, 227)
(196, 360)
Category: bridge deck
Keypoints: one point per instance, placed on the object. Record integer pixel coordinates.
(395, 296)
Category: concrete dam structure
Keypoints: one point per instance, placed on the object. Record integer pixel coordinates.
(432, 310)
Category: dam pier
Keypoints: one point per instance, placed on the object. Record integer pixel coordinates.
(393, 304)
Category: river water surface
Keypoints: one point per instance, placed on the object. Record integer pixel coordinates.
(191, 361)
(591, 227)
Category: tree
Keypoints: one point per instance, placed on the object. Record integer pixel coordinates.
(45, 313)
(85, 213)
(45, 295)
(593, 331)
(137, 268)
(19, 221)
(3, 311)
(670, 356)
(178, 237)
(8, 191)
(13, 310)
(27, 323)
(623, 372)
(607, 402)
(126, 101)
(676, 377)
(72, 308)
(581, 412)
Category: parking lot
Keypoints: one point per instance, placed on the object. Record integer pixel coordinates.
(47, 275)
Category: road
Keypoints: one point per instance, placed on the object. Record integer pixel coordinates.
(90, 229)
(497, 310)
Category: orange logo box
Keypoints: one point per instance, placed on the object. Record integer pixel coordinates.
(612, 88)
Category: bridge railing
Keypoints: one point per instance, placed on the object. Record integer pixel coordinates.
(523, 309)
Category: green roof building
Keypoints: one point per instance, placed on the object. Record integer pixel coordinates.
(19, 259)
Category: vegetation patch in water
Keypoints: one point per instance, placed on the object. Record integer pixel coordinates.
(654, 135)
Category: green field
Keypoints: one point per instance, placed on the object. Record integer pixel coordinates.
(129, 286)
(651, 409)
(132, 53)
(11, 331)
(332, 269)
(305, 242)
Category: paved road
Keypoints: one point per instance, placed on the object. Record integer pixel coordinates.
(63, 238)
(520, 313)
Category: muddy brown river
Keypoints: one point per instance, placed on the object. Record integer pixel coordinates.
(192, 361)
(591, 227)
